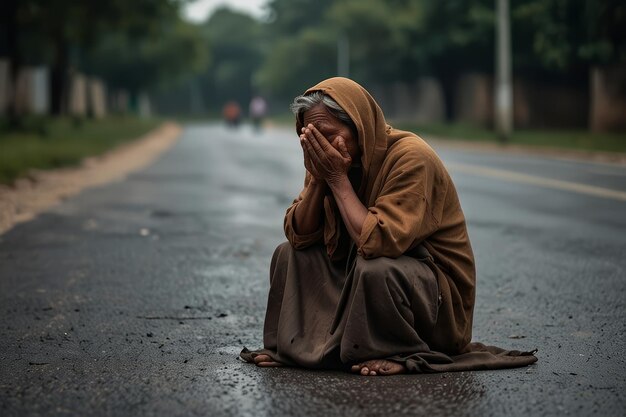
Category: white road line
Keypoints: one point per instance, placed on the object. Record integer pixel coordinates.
(539, 181)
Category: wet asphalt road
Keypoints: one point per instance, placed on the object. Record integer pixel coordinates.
(135, 298)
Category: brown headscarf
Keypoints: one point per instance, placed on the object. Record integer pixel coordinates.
(374, 134)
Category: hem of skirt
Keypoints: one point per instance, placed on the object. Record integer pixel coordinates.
(476, 356)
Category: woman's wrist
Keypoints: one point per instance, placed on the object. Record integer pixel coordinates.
(315, 182)
(339, 185)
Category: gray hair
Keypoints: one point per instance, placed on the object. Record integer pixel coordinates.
(306, 102)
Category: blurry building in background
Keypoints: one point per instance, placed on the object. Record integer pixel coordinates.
(538, 104)
(97, 99)
(77, 105)
(473, 101)
(31, 91)
(608, 99)
(87, 96)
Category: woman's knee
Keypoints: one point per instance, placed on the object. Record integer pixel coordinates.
(373, 274)
(404, 272)
(285, 254)
(284, 249)
(405, 281)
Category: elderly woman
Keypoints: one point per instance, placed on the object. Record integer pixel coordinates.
(378, 275)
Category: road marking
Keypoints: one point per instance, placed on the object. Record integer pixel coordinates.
(539, 181)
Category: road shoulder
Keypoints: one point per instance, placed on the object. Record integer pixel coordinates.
(29, 197)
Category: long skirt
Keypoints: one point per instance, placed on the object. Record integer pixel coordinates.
(329, 315)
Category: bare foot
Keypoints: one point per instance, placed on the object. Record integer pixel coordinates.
(265, 361)
(379, 367)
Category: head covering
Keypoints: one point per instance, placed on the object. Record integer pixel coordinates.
(375, 136)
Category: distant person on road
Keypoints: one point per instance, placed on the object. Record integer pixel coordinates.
(258, 110)
(232, 114)
(378, 275)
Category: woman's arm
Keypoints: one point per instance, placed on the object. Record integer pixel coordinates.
(353, 212)
(331, 162)
(308, 213)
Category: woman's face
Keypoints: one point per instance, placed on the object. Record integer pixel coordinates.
(331, 127)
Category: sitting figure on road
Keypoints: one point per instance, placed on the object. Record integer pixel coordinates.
(378, 275)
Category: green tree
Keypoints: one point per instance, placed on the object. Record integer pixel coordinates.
(288, 17)
(561, 36)
(379, 37)
(234, 41)
(394, 40)
(458, 37)
(298, 47)
(67, 27)
(295, 63)
(149, 61)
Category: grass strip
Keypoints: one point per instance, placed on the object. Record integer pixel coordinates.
(57, 142)
(565, 139)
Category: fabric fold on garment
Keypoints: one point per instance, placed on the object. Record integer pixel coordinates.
(477, 357)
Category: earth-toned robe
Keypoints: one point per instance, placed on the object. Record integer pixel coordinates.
(405, 290)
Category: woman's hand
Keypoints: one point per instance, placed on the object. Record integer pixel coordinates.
(325, 161)
(316, 177)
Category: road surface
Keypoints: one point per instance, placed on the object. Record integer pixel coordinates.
(135, 298)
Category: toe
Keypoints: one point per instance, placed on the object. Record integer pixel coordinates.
(365, 371)
(392, 368)
(262, 358)
(385, 371)
(374, 366)
(269, 364)
(356, 368)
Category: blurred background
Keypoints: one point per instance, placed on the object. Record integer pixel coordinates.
(110, 70)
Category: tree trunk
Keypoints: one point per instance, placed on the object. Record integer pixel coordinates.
(9, 22)
(59, 77)
(608, 98)
(448, 81)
